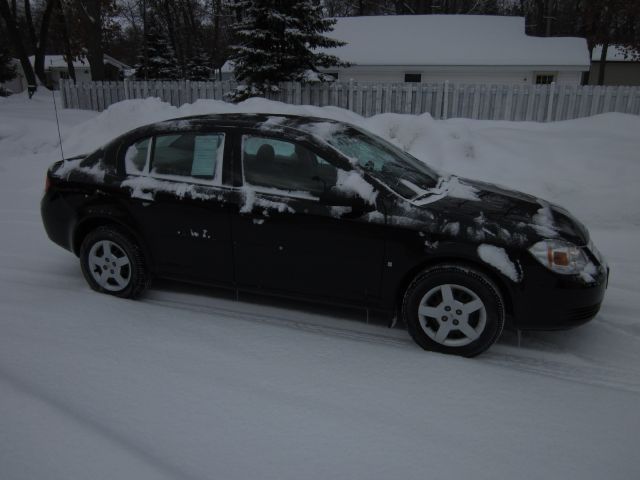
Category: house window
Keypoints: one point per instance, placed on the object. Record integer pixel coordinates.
(545, 78)
(413, 77)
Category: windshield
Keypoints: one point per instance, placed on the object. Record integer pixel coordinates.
(404, 174)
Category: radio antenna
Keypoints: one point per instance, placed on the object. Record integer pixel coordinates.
(55, 108)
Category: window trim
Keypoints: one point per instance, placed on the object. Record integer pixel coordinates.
(122, 154)
(553, 75)
(152, 144)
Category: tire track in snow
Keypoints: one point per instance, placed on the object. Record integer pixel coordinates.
(284, 322)
(78, 415)
(587, 374)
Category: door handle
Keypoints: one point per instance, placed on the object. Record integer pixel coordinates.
(256, 218)
(143, 194)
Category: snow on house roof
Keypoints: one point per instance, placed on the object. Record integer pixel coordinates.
(58, 61)
(227, 67)
(115, 63)
(615, 53)
(451, 40)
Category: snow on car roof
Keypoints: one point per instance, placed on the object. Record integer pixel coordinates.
(256, 118)
(451, 40)
(318, 127)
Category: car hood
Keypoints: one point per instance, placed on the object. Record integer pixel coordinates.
(489, 208)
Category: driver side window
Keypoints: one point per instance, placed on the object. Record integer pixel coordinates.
(278, 164)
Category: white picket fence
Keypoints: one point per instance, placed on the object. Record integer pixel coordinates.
(541, 103)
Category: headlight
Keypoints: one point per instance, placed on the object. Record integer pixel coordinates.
(560, 256)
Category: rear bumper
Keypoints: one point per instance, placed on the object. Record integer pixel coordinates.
(56, 218)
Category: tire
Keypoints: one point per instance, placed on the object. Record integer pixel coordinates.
(113, 263)
(453, 309)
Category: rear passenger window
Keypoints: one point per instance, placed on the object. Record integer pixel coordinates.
(136, 157)
(188, 156)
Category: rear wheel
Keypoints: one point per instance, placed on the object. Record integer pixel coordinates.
(112, 263)
(454, 309)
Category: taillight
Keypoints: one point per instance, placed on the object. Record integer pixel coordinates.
(47, 184)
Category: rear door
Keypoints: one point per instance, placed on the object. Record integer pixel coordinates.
(180, 205)
(287, 239)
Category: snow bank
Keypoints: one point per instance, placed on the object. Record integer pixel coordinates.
(184, 382)
(589, 165)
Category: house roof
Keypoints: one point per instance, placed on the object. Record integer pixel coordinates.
(448, 40)
(58, 61)
(115, 63)
(227, 67)
(615, 53)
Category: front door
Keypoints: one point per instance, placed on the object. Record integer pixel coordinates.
(287, 239)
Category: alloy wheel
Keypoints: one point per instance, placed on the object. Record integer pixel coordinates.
(109, 265)
(452, 315)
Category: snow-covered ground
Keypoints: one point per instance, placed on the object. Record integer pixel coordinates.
(189, 383)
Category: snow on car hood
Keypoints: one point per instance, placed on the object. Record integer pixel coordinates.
(485, 211)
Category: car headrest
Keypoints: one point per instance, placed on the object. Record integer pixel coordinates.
(305, 157)
(266, 153)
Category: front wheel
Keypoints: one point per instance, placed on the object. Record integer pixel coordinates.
(112, 263)
(454, 309)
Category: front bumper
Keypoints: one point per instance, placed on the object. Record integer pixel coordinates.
(549, 301)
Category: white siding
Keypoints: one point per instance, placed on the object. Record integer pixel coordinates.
(486, 77)
(345, 75)
(460, 75)
(569, 78)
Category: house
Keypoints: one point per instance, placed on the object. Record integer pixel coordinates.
(225, 72)
(471, 49)
(621, 69)
(56, 68)
(18, 84)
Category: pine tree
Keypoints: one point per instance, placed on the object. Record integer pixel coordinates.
(7, 68)
(160, 62)
(199, 66)
(277, 40)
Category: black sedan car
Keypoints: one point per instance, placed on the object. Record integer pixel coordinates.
(318, 209)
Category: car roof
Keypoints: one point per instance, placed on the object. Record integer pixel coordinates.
(300, 126)
(303, 126)
(249, 119)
